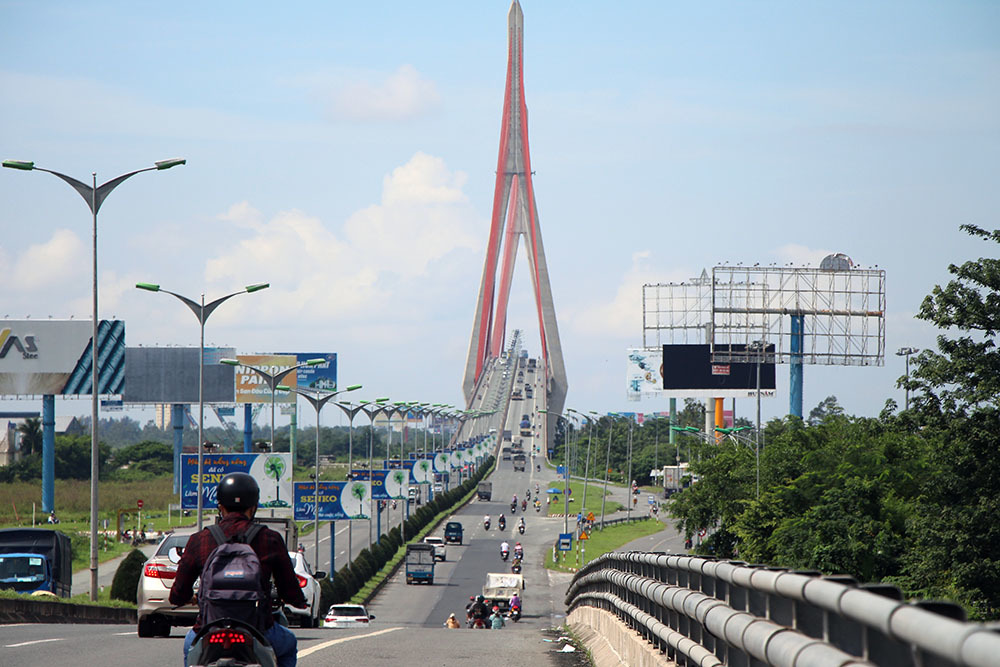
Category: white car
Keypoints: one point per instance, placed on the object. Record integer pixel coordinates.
(439, 548)
(309, 583)
(347, 616)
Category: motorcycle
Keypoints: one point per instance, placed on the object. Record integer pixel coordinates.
(515, 567)
(502, 524)
(513, 507)
(524, 505)
(538, 506)
(504, 553)
(515, 613)
(231, 642)
(486, 525)
(520, 528)
(528, 495)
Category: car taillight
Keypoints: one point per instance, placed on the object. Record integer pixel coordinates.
(302, 581)
(363, 619)
(227, 638)
(159, 571)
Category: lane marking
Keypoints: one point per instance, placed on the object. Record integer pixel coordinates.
(124, 634)
(37, 641)
(313, 649)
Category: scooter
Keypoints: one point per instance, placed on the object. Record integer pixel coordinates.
(515, 567)
(486, 525)
(513, 507)
(524, 505)
(230, 642)
(501, 524)
(538, 506)
(515, 612)
(520, 528)
(504, 553)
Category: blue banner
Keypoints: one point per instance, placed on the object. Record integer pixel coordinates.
(378, 482)
(321, 376)
(273, 473)
(330, 508)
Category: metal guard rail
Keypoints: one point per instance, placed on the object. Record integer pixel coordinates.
(706, 612)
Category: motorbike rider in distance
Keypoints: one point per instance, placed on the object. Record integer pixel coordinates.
(478, 612)
(518, 551)
(502, 522)
(504, 549)
(238, 495)
(486, 522)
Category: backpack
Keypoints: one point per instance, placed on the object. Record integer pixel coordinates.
(231, 585)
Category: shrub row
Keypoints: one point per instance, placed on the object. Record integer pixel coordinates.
(341, 586)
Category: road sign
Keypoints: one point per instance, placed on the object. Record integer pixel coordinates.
(565, 541)
(139, 503)
(590, 517)
(584, 535)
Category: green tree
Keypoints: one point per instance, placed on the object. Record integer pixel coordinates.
(828, 407)
(956, 389)
(30, 432)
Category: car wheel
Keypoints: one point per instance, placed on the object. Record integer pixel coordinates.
(145, 627)
(162, 627)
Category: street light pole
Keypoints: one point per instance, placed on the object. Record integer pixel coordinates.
(94, 195)
(375, 408)
(202, 312)
(607, 463)
(318, 400)
(350, 411)
(906, 352)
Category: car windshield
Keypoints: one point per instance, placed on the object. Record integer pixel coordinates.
(23, 568)
(171, 541)
(347, 611)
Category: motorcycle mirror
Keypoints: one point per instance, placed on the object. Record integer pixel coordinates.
(319, 575)
(174, 554)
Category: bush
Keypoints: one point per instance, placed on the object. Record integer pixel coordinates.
(396, 540)
(369, 560)
(327, 593)
(126, 582)
(362, 573)
(349, 582)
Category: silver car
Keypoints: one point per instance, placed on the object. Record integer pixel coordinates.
(156, 614)
(311, 616)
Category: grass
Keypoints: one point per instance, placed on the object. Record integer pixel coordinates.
(103, 599)
(601, 542)
(595, 491)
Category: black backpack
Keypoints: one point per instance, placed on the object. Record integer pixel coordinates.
(231, 581)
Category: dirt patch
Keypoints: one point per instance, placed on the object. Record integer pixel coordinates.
(577, 658)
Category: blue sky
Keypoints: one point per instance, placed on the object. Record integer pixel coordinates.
(345, 153)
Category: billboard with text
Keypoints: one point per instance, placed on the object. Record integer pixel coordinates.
(273, 473)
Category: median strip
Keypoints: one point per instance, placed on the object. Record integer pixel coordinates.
(319, 647)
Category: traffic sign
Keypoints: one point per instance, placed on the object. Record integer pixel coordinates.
(565, 541)
(590, 517)
(139, 503)
(584, 535)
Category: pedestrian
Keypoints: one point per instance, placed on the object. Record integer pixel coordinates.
(452, 622)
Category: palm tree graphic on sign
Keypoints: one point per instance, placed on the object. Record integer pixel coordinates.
(424, 467)
(358, 491)
(398, 478)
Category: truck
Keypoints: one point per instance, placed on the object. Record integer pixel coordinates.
(525, 426)
(505, 453)
(420, 563)
(485, 490)
(36, 559)
(500, 588)
(453, 532)
(520, 462)
(507, 435)
(673, 479)
(284, 526)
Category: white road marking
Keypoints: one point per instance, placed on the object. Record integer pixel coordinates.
(124, 634)
(37, 641)
(313, 649)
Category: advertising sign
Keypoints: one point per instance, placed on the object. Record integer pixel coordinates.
(421, 471)
(441, 462)
(643, 373)
(338, 501)
(251, 388)
(273, 473)
(320, 376)
(467, 455)
(170, 375)
(456, 458)
(53, 357)
(688, 371)
(386, 484)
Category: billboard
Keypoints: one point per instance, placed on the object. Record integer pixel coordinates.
(644, 373)
(688, 371)
(273, 473)
(39, 357)
(251, 388)
(170, 375)
(338, 501)
(321, 376)
(386, 484)
(421, 470)
(441, 462)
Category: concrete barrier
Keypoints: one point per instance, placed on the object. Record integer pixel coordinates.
(611, 642)
(27, 610)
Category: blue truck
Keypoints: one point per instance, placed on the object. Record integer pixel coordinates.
(420, 563)
(35, 559)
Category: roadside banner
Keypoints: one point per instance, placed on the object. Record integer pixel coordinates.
(456, 459)
(376, 482)
(421, 471)
(441, 462)
(338, 501)
(273, 473)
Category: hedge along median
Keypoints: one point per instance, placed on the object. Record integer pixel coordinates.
(362, 578)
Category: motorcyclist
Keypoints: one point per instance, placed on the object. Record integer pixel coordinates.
(524, 505)
(527, 494)
(502, 522)
(238, 495)
(486, 522)
(536, 490)
(521, 526)
(515, 601)
(478, 611)
(504, 549)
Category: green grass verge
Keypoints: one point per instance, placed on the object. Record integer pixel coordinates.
(601, 542)
(103, 599)
(361, 597)
(595, 492)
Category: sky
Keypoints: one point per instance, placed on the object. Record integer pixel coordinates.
(345, 153)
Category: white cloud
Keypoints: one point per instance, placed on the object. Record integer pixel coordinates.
(53, 263)
(403, 94)
(389, 258)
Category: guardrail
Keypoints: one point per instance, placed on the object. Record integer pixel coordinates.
(705, 612)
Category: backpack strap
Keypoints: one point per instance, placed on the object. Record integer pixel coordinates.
(245, 537)
(251, 532)
(216, 532)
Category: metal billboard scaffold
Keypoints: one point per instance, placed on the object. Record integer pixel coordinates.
(676, 312)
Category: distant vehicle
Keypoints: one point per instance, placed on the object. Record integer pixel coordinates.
(520, 462)
(438, 487)
(516, 396)
(485, 490)
(309, 583)
(524, 354)
(420, 563)
(528, 392)
(500, 588)
(35, 559)
(347, 616)
(439, 550)
(507, 435)
(453, 532)
(531, 364)
(505, 453)
(413, 495)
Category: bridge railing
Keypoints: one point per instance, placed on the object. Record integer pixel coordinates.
(706, 612)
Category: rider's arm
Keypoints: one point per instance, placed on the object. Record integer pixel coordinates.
(282, 569)
(189, 569)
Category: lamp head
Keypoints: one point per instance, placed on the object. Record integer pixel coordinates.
(19, 164)
(250, 289)
(151, 287)
(167, 164)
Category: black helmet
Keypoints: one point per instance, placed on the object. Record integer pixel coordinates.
(238, 491)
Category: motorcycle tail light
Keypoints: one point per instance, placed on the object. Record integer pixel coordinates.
(302, 580)
(228, 638)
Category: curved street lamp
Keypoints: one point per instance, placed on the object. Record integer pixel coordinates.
(202, 311)
(318, 399)
(371, 409)
(94, 195)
